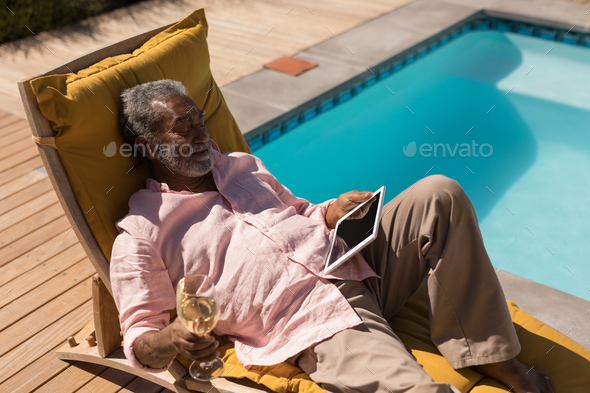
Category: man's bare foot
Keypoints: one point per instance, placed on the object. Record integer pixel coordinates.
(516, 375)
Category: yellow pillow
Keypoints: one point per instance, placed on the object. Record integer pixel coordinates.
(567, 364)
(83, 110)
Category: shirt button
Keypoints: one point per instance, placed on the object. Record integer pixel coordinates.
(264, 229)
(290, 254)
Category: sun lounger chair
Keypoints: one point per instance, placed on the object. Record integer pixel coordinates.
(104, 337)
(72, 111)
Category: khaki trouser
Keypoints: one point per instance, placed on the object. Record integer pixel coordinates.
(432, 224)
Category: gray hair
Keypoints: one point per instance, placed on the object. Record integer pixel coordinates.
(136, 115)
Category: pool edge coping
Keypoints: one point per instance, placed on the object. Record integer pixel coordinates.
(272, 115)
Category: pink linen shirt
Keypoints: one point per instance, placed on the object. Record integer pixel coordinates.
(263, 247)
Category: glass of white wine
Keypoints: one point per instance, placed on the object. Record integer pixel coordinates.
(198, 312)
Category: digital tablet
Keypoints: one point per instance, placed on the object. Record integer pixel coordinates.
(356, 233)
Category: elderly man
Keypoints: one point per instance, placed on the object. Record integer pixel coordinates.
(226, 216)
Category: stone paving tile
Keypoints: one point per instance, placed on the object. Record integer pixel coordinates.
(478, 4)
(290, 65)
(249, 114)
(367, 45)
(428, 16)
(553, 307)
(554, 13)
(286, 92)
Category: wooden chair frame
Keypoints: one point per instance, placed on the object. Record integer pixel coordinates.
(100, 341)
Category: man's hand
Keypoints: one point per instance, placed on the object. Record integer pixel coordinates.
(197, 347)
(155, 349)
(345, 203)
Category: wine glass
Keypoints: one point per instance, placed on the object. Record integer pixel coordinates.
(198, 312)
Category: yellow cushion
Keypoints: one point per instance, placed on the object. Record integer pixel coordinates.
(83, 110)
(567, 364)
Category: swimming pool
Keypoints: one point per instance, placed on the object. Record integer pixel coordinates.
(507, 115)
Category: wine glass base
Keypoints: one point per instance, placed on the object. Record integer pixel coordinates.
(206, 371)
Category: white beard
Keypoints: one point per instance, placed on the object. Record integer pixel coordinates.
(190, 166)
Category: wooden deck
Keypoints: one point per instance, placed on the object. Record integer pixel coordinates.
(45, 288)
(243, 35)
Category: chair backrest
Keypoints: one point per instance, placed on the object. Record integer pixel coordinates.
(73, 110)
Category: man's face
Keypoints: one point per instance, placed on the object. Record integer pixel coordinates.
(185, 147)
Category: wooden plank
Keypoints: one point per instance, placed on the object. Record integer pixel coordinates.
(34, 347)
(28, 68)
(74, 287)
(35, 298)
(35, 374)
(173, 378)
(15, 132)
(10, 119)
(125, 46)
(12, 104)
(300, 20)
(29, 224)
(42, 317)
(117, 360)
(15, 127)
(106, 318)
(246, 37)
(19, 170)
(19, 158)
(70, 380)
(280, 34)
(140, 385)
(25, 210)
(15, 148)
(20, 183)
(109, 381)
(34, 239)
(36, 257)
(40, 273)
(86, 330)
(11, 71)
(26, 194)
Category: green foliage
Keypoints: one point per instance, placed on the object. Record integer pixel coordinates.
(22, 18)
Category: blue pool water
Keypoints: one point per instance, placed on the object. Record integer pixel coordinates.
(487, 87)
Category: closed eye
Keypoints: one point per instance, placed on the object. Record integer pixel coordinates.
(182, 119)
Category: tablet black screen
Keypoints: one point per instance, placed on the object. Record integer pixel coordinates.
(354, 232)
